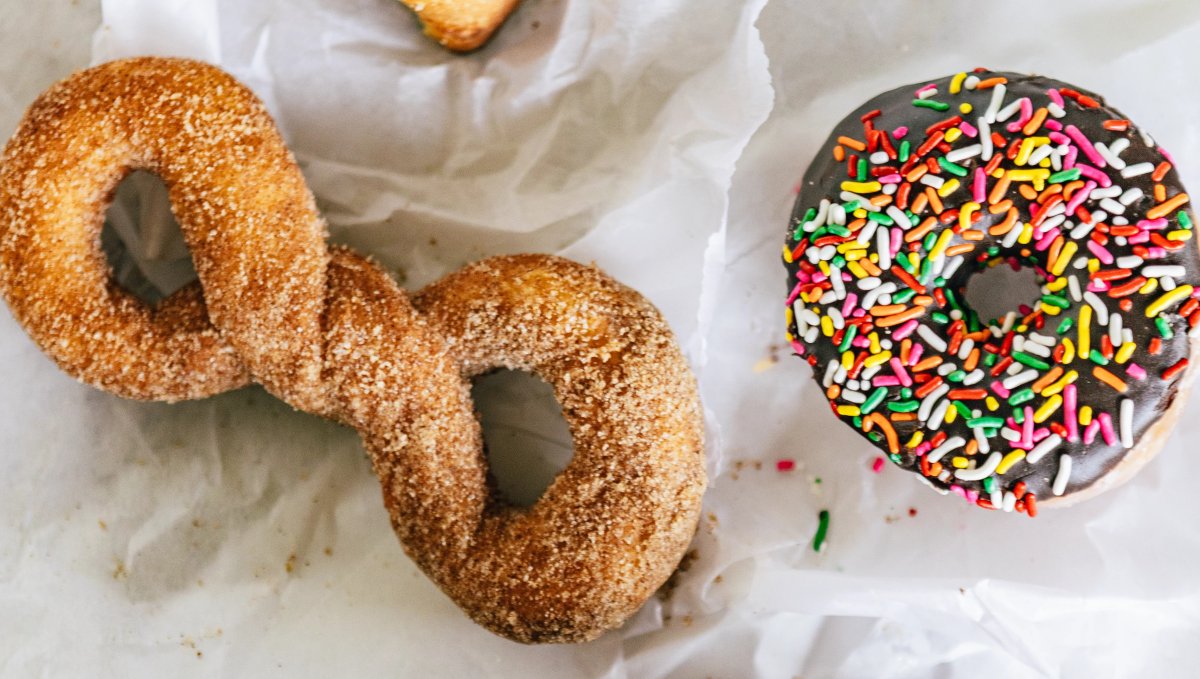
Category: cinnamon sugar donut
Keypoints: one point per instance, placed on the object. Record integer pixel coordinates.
(330, 333)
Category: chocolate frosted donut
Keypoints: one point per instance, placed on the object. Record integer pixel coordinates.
(927, 185)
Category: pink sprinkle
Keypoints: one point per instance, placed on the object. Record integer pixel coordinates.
(900, 132)
(1047, 239)
(859, 313)
(1155, 252)
(885, 381)
(795, 293)
(980, 186)
(1101, 253)
(897, 240)
(1000, 389)
(1027, 429)
(1139, 238)
(1085, 145)
(923, 448)
(1106, 428)
(1089, 434)
(905, 330)
(1098, 286)
(862, 342)
(1055, 96)
(1070, 401)
(893, 178)
(1154, 224)
(819, 277)
(1166, 155)
(1026, 114)
(1059, 138)
(972, 496)
(785, 465)
(1052, 124)
(1092, 173)
(1135, 371)
(798, 348)
(877, 465)
(1040, 433)
(968, 129)
(958, 490)
(901, 373)
(926, 88)
(849, 304)
(1072, 155)
(914, 354)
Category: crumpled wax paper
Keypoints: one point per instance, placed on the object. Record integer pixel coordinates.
(236, 537)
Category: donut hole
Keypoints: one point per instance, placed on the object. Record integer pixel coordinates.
(142, 240)
(526, 438)
(1002, 288)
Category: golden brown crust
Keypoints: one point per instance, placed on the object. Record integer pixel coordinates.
(330, 333)
(461, 25)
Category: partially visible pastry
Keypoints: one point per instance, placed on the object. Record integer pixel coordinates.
(461, 25)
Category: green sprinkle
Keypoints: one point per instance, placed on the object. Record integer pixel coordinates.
(991, 422)
(881, 218)
(1057, 301)
(894, 457)
(1097, 358)
(1185, 222)
(903, 296)
(857, 422)
(957, 376)
(903, 406)
(905, 261)
(873, 400)
(862, 169)
(1018, 416)
(904, 150)
(1065, 176)
(962, 409)
(874, 436)
(939, 281)
(1164, 328)
(851, 331)
(1066, 325)
(952, 299)
(838, 261)
(953, 168)
(940, 317)
(809, 215)
(989, 484)
(989, 359)
(929, 103)
(905, 392)
(1026, 359)
(840, 230)
(822, 530)
(930, 241)
(926, 268)
(850, 205)
(993, 251)
(1019, 397)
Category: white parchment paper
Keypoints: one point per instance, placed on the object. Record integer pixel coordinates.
(234, 537)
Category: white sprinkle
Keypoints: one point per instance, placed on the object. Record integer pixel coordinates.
(1098, 305)
(900, 217)
(952, 265)
(1099, 216)
(1108, 192)
(865, 233)
(1137, 170)
(869, 283)
(930, 400)
(1064, 474)
(980, 473)
(1131, 196)
(1019, 379)
(854, 396)
(1112, 206)
(946, 368)
(985, 139)
(1035, 349)
(867, 374)
(1010, 501)
(829, 372)
(837, 214)
(828, 298)
(973, 377)
(862, 201)
(853, 384)
(1167, 283)
(1008, 111)
(1080, 262)
(1053, 221)
(1082, 230)
(971, 82)
(883, 244)
(1018, 343)
(1127, 422)
(1149, 141)
(813, 334)
(997, 497)
(952, 443)
(927, 93)
(1045, 340)
(1109, 156)
(1073, 288)
(931, 338)
(839, 286)
(1157, 270)
(878, 158)
(1056, 110)
(932, 180)
(810, 317)
(994, 105)
(1039, 451)
(964, 349)
(1129, 262)
(939, 415)
(1014, 368)
(836, 317)
(1114, 329)
(1011, 237)
(1039, 154)
(1118, 146)
(1010, 434)
(960, 154)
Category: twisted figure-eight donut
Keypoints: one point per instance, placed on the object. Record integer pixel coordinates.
(329, 332)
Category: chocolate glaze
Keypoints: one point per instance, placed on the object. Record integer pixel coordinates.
(1152, 395)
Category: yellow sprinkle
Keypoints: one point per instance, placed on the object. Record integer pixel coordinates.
(878, 359)
(997, 173)
(964, 214)
(850, 245)
(948, 188)
(847, 360)
(849, 411)
(1064, 258)
(1047, 409)
(1125, 352)
(1026, 150)
(1093, 265)
(1181, 234)
(1085, 330)
(874, 337)
(1026, 234)
(992, 403)
(953, 134)
(964, 108)
(942, 243)
(853, 255)
(1150, 286)
(1009, 460)
(951, 415)
(856, 269)
(1028, 175)
(1045, 162)
(1085, 415)
(788, 315)
(1159, 305)
(1050, 309)
(956, 84)
(813, 295)
(959, 462)
(787, 254)
(916, 439)
(861, 187)
(824, 267)
(827, 326)
(1061, 383)
(790, 336)
(1059, 283)
(1068, 350)
(860, 213)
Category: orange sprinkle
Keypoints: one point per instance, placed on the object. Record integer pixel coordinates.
(934, 201)
(1035, 122)
(881, 200)
(919, 204)
(926, 300)
(927, 364)
(833, 392)
(869, 423)
(1028, 192)
(1161, 171)
(887, 309)
(1160, 192)
(1110, 379)
(852, 143)
(1162, 209)
(1047, 379)
(967, 394)
(903, 417)
(902, 317)
(908, 279)
(1116, 125)
(997, 208)
(919, 232)
(999, 189)
(972, 360)
(1071, 188)
(839, 153)
(991, 82)
(916, 173)
(972, 234)
(870, 267)
(1010, 220)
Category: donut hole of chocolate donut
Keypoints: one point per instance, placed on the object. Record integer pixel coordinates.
(142, 240)
(1001, 288)
(526, 438)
